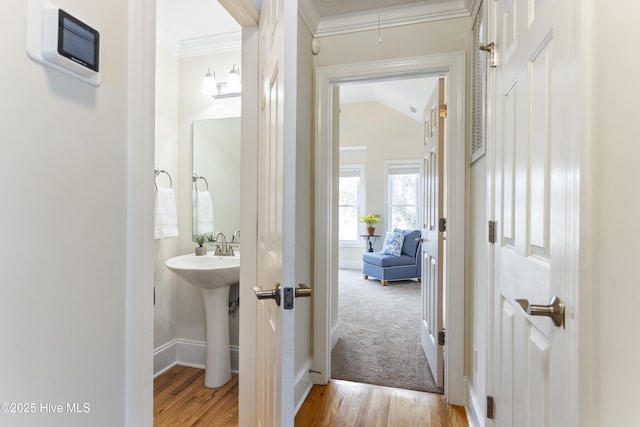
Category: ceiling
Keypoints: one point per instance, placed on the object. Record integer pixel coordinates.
(188, 19)
(407, 96)
(191, 27)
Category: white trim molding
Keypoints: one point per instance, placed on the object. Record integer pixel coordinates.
(452, 66)
(475, 414)
(187, 353)
(243, 11)
(248, 221)
(350, 264)
(336, 334)
(211, 44)
(140, 260)
(419, 12)
(303, 385)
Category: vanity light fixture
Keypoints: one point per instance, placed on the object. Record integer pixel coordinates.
(217, 90)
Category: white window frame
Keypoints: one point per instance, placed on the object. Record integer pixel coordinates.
(359, 169)
(410, 164)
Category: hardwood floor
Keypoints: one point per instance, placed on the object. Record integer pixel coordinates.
(343, 403)
(181, 399)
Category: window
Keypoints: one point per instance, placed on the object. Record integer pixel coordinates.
(404, 195)
(350, 203)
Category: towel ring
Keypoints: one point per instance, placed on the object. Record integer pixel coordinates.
(155, 179)
(196, 177)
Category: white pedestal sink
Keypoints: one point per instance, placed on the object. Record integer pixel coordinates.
(213, 275)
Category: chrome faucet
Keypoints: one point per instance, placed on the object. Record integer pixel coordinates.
(225, 250)
(236, 237)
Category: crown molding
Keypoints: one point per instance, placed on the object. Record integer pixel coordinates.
(245, 12)
(389, 17)
(309, 13)
(211, 44)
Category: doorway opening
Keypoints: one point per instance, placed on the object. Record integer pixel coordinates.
(327, 80)
(197, 139)
(381, 143)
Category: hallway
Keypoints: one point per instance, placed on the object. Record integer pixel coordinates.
(181, 399)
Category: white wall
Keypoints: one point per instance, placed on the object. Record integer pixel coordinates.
(388, 135)
(610, 284)
(63, 174)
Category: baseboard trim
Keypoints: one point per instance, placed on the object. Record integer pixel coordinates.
(157, 374)
(187, 353)
(191, 353)
(164, 357)
(473, 408)
(350, 264)
(303, 384)
(335, 334)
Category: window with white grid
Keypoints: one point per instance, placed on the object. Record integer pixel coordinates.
(350, 204)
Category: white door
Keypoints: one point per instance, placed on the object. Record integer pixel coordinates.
(431, 325)
(531, 210)
(276, 257)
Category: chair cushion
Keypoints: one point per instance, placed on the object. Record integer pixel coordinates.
(393, 243)
(410, 244)
(381, 260)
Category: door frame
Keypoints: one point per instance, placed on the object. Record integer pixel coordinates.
(140, 259)
(452, 66)
(248, 221)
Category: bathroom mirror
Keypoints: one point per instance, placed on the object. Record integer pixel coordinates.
(216, 163)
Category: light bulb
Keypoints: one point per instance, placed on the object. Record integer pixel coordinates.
(209, 86)
(233, 81)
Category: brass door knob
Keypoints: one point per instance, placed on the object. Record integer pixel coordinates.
(555, 310)
(269, 294)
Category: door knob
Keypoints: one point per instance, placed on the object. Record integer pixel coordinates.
(269, 294)
(303, 290)
(555, 310)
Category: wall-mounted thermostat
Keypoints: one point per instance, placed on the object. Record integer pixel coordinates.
(60, 40)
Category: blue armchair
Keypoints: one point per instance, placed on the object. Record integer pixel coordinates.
(390, 267)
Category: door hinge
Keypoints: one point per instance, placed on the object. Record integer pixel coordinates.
(441, 338)
(442, 224)
(492, 231)
(443, 111)
(491, 50)
(490, 407)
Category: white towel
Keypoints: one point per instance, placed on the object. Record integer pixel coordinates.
(165, 215)
(202, 213)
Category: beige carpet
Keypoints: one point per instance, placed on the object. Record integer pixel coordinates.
(380, 334)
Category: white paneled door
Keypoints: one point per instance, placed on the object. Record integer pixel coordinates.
(532, 213)
(431, 325)
(276, 257)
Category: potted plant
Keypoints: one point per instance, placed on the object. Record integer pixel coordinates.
(200, 249)
(370, 220)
